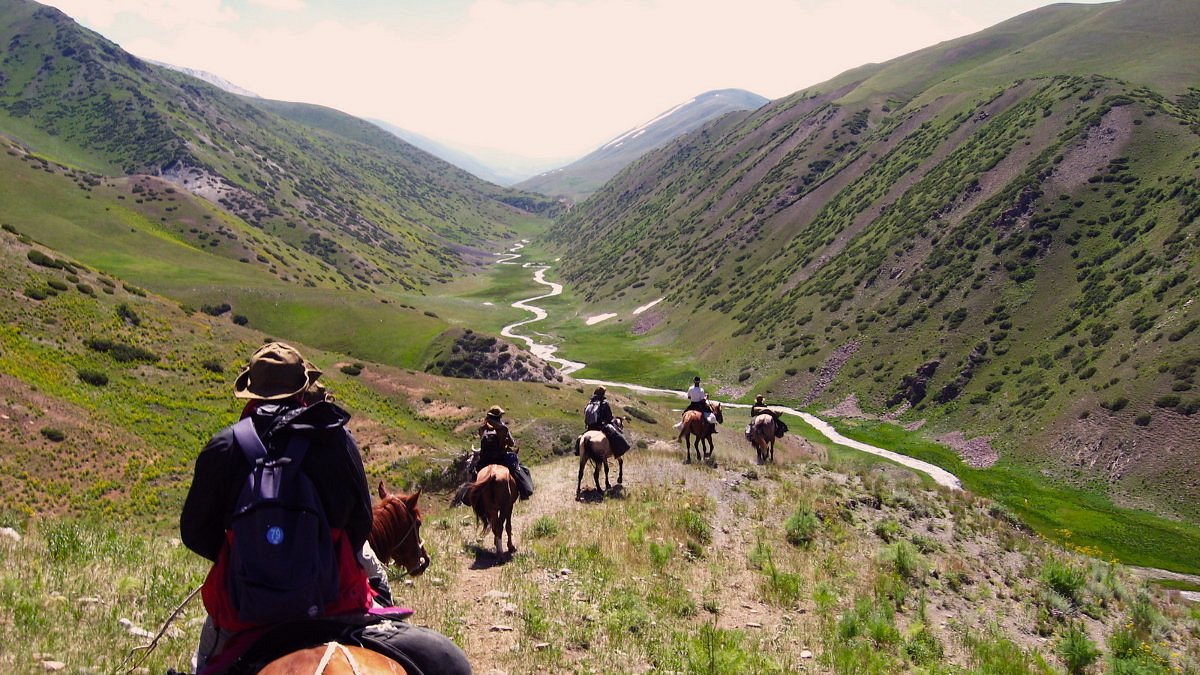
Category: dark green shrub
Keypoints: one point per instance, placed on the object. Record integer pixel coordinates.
(58, 285)
(1142, 420)
(85, 289)
(212, 366)
(52, 434)
(216, 310)
(120, 351)
(93, 377)
(1077, 650)
(1115, 404)
(640, 414)
(36, 293)
(352, 369)
(240, 319)
(128, 315)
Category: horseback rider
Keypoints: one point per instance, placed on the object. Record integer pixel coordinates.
(760, 408)
(698, 400)
(496, 446)
(597, 416)
(289, 419)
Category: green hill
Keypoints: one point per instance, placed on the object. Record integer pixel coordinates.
(997, 235)
(333, 189)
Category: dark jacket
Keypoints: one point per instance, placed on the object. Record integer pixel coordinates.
(507, 444)
(761, 409)
(332, 463)
(604, 414)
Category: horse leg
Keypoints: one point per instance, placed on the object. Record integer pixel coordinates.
(596, 475)
(507, 516)
(582, 464)
(687, 441)
(620, 471)
(607, 485)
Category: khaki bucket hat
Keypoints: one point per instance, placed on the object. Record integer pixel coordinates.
(276, 371)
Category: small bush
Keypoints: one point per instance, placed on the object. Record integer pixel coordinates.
(93, 377)
(1077, 650)
(216, 310)
(120, 351)
(130, 288)
(36, 293)
(352, 369)
(640, 414)
(52, 434)
(544, 527)
(128, 315)
(212, 366)
(1115, 404)
(240, 319)
(888, 529)
(1063, 578)
(1142, 420)
(58, 285)
(802, 526)
(85, 289)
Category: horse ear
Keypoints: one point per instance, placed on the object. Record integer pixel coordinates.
(412, 500)
(382, 491)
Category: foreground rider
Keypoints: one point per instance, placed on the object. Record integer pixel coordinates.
(291, 419)
(496, 446)
(698, 400)
(598, 416)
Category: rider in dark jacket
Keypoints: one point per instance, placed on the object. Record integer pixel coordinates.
(502, 450)
(601, 419)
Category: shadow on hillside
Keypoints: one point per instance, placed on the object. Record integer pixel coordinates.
(594, 496)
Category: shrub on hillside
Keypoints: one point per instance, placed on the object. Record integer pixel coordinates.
(93, 377)
(216, 310)
(41, 259)
(1077, 650)
(640, 414)
(212, 366)
(1115, 404)
(240, 319)
(802, 527)
(58, 285)
(128, 315)
(54, 435)
(121, 351)
(36, 293)
(352, 369)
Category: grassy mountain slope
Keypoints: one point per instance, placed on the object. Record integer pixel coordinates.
(582, 177)
(378, 211)
(993, 235)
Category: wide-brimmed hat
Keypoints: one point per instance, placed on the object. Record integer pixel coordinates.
(758, 398)
(599, 391)
(276, 371)
(495, 411)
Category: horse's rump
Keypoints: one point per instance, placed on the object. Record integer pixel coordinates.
(333, 658)
(493, 483)
(594, 445)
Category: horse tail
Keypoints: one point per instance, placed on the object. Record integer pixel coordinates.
(586, 450)
(476, 494)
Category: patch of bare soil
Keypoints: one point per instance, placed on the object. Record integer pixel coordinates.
(847, 408)
(1095, 149)
(830, 369)
(976, 452)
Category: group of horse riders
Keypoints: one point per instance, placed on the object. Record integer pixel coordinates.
(292, 430)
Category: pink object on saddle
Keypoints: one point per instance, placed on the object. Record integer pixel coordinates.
(391, 612)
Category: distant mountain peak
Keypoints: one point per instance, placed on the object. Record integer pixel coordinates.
(584, 176)
(208, 77)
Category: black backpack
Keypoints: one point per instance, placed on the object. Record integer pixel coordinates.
(282, 565)
(489, 444)
(591, 414)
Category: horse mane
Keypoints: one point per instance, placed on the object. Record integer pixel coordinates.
(389, 524)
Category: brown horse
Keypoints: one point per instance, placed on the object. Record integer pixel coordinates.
(593, 445)
(332, 658)
(762, 437)
(492, 496)
(396, 531)
(695, 424)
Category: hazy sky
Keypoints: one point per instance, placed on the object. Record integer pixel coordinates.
(538, 78)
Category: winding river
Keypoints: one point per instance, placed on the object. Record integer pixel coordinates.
(566, 367)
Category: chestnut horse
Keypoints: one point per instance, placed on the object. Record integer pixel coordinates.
(492, 496)
(695, 424)
(762, 437)
(396, 531)
(594, 445)
(332, 658)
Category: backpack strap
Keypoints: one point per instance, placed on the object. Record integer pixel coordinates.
(254, 451)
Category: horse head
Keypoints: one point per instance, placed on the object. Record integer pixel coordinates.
(619, 423)
(715, 407)
(396, 531)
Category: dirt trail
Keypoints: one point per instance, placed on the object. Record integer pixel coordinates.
(492, 621)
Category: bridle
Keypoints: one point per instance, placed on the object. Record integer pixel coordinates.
(413, 524)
